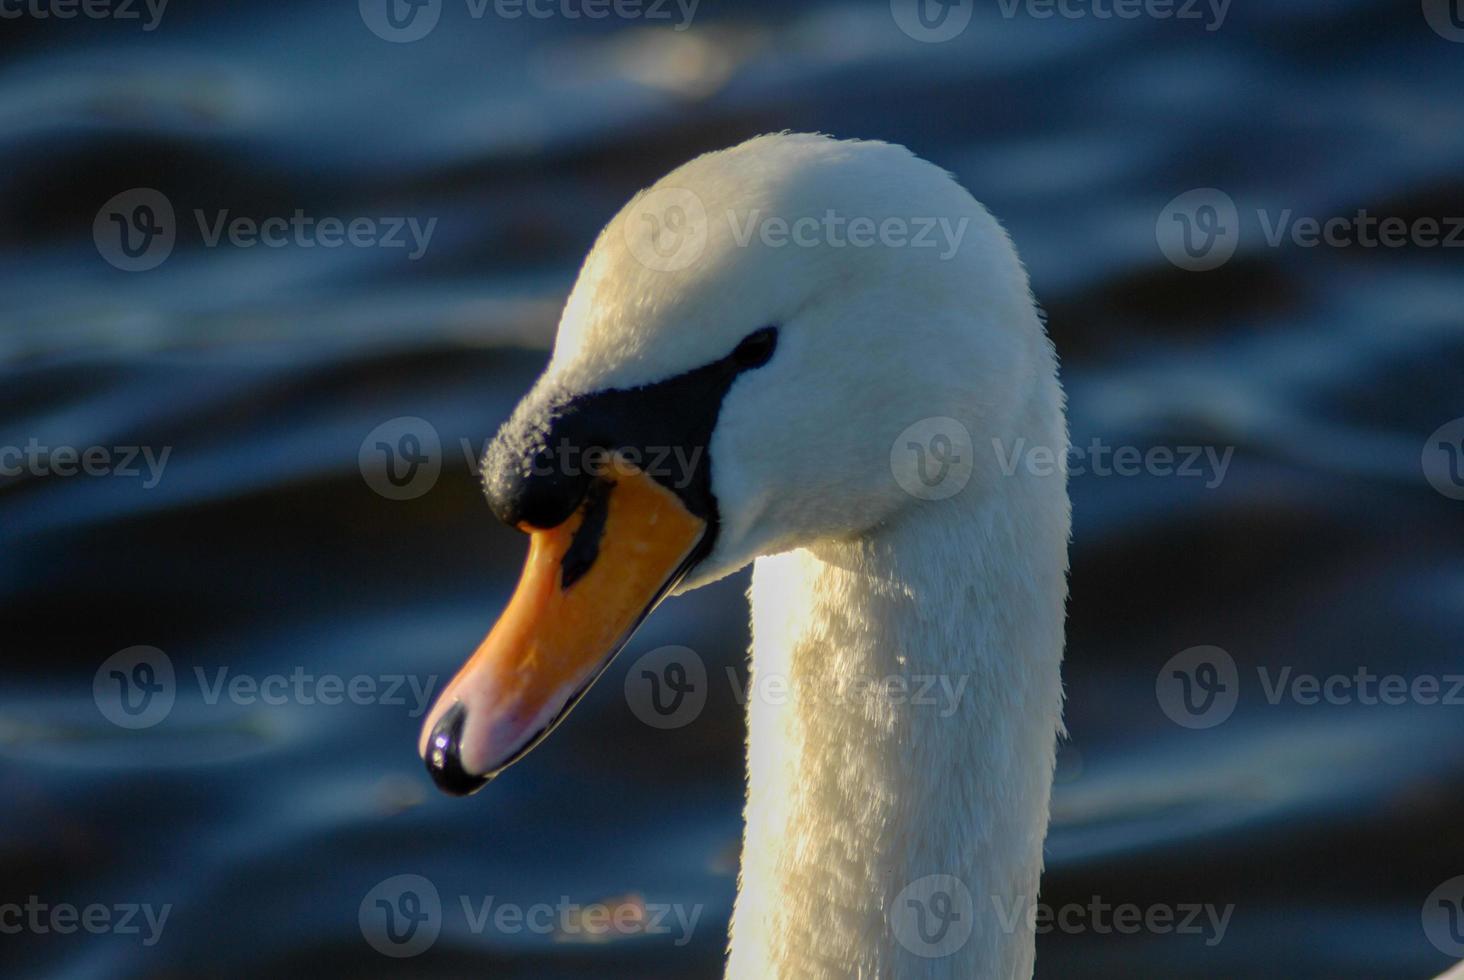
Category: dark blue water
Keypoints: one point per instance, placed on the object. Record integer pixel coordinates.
(264, 552)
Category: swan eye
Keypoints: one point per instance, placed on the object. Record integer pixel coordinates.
(757, 348)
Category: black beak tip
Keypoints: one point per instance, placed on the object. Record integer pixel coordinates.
(444, 755)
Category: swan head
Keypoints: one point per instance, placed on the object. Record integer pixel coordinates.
(746, 345)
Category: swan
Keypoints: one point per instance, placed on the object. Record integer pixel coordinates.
(760, 363)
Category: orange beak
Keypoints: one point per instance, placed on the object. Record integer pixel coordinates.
(586, 586)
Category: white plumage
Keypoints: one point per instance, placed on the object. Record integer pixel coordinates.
(851, 798)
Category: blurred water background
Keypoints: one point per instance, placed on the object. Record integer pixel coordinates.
(262, 549)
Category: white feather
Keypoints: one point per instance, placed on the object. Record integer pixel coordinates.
(852, 798)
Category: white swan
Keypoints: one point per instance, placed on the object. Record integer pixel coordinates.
(786, 364)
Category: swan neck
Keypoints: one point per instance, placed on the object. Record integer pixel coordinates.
(904, 702)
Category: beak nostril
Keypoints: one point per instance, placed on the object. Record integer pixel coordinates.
(584, 548)
(444, 754)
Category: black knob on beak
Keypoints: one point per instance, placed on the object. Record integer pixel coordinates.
(536, 470)
(542, 463)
